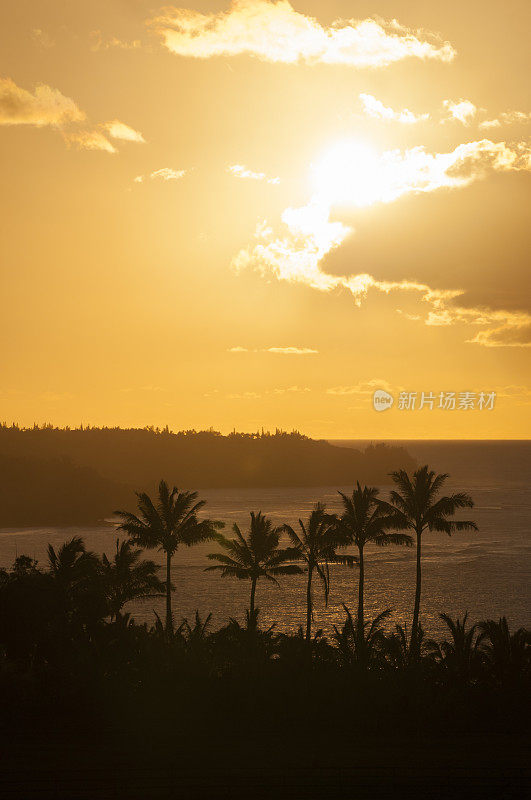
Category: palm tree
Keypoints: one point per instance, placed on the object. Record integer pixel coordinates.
(77, 573)
(418, 507)
(316, 546)
(508, 654)
(458, 655)
(171, 522)
(363, 522)
(126, 579)
(353, 650)
(254, 557)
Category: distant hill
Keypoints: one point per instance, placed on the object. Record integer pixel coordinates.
(63, 476)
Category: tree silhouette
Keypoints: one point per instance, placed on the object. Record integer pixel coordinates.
(254, 557)
(171, 522)
(78, 577)
(458, 656)
(418, 507)
(508, 654)
(364, 522)
(126, 579)
(316, 545)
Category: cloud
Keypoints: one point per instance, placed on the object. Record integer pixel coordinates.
(96, 139)
(41, 38)
(463, 111)
(244, 396)
(362, 388)
(119, 130)
(375, 108)
(241, 171)
(45, 106)
(99, 42)
(274, 31)
(48, 107)
(89, 140)
(164, 174)
(352, 177)
(506, 118)
(290, 351)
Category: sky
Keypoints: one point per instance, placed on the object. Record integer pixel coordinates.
(256, 214)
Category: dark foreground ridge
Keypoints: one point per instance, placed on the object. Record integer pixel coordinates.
(79, 476)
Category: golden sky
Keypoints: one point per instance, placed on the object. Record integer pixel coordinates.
(256, 213)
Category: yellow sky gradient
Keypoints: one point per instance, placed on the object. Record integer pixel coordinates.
(254, 214)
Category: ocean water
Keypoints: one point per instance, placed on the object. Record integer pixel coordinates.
(485, 573)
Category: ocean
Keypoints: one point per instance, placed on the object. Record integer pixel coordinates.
(485, 573)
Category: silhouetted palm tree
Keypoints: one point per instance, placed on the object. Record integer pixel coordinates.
(254, 557)
(418, 507)
(355, 650)
(508, 654)
(458, 655)
(126, 579)
(171, 522)
(363, 522)
(71, 560)
(77, 573)
(316, 546)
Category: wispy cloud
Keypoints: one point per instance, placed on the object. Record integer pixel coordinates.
(463, 111)
(241, 171)
(119, 130)
(101, 42)
(274, 31)
(163, 174)
(89, 140)
(48, 107)
(361, 388)
(290, 351)
(41, 38)
(375, 108)
(356, 178)
(507, 118)
(44, 106)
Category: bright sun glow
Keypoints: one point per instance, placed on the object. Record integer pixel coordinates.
(348, 173)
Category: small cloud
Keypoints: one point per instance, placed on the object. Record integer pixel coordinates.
(363, 388)
(297, 351)
(240, 171)
(119, 130)
(291, 351)
(89, 140)
(44, 106)
(244, 396)
(163, 174)
(463, 111)
(375, 108)
(41, 38)
(99, 42)
(506, 118)
(291, 390)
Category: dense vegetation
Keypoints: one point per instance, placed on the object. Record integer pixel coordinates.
(207, 709)
(113, 461)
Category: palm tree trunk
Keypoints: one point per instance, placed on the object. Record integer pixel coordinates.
(253, 592)
(361, 582)
(414, 645)
(169, 616)
(309, 605)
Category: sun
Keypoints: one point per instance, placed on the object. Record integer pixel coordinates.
(348, 173)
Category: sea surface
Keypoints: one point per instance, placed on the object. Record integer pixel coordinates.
(486, 573)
